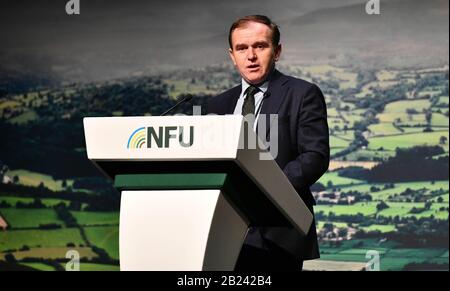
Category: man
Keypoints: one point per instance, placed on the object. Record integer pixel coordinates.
(303, 142)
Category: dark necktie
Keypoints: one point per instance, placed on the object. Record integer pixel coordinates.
(249, 102)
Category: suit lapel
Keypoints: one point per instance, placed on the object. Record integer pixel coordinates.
(275, 97)
(233, 99)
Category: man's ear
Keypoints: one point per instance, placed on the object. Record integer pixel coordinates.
(277, 52)
(230, 52)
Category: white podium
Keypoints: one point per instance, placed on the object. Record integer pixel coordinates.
(190, 189)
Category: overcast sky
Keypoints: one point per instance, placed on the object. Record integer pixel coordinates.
(114, 38)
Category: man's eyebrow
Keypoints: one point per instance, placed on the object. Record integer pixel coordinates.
(239, 45)
(258, 43)
(263, 43)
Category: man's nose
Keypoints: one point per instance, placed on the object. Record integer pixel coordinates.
(251, 54)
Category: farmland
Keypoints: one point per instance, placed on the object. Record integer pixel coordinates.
(29, 218)
(106, 237)
(16, 239)
(371, 117)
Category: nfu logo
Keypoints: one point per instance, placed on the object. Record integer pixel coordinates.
(149, 137)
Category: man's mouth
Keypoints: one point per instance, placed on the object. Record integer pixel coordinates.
(253, 67)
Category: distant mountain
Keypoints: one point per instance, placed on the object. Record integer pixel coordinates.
(113, 39)
(407, 33)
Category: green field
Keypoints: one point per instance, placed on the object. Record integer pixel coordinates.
(336, 142)
(117, 113)
(177, 87)
(347, 135)
(431, 93)
(15, 239)
(400, 209)
(391, 128)
(346, 79)
(83, 267)
(352, 118)
(350, 106)
(375, 227)
(438, 119)
(29, 178)
(105, 237)
(336, 122)
(443, 100)
(320, 224)
(9, 104)
(402, 106)
(403, 210)
(48, 202)
(52, 253)
(403, 118)
(39, 266)
(332, 112)
(379, 227)
(387, 263)
(423, 253)
(98, 267)
(401, 187)
(392, 257)
(24, 118)
(445, 198)
(407, 140)
(96, 218)
(383, 129)
(30, 218)
(416, 129)
(365, 208)
(385, 75)
(366, 90)
(362, 251)
(369, 155)
(334, 151)
(337, 180)
(398, 188)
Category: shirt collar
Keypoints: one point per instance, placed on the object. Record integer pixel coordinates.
(263, 87)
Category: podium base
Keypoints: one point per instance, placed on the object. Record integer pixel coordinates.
(179, 230)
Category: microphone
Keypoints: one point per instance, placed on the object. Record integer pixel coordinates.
(266, 95)
(186, 98)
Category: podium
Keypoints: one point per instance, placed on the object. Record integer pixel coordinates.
(191, 186)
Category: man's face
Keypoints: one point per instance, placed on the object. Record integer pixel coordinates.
(253, 53)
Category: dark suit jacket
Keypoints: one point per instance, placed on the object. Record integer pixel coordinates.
(303, 146)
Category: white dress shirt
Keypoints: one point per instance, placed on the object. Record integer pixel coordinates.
(259, 96)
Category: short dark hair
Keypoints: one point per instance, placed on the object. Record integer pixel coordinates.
(260, 19)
